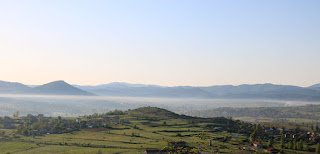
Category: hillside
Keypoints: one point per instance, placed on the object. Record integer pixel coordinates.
(139, 90)
(246, 91)
(315, 87)
(139, 130)
(267, 91)
(12, 87)
(57, 88)
(155, 113)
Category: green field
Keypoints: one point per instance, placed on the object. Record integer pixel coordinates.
(120, 139)
(140, 129)
(143, 131)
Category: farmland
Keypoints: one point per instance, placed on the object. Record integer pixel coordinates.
(133, 131)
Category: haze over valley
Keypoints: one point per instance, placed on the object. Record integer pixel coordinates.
(59, 98)
(159, 76)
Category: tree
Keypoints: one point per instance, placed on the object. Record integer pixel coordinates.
(318, 148)
(2, 133)
(300, 145)
(281, 132)
(25, 132)
(253, 136)
(259, 140)
(16, 114)
(121, 121)
(270, 142)
(290, 145)
(258, 127)
(295, 146)
(59, 119)
(282, 141)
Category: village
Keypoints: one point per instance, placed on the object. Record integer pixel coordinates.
(248, 137)
(33, 125)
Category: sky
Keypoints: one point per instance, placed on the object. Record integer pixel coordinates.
(163, 42)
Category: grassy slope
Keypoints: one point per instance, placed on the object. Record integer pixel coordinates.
(151, 134)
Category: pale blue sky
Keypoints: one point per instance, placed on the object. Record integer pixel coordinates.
(162, 42)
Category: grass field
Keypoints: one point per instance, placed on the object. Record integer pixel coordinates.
(121, 138)
(142, 130)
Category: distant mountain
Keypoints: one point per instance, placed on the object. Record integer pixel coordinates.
(242, 89)
(115, 85)
(123, 84)
(141, 90)
(245, 91)
(271, 91)
(315, 87)
(256, 91)
(57, 88)
(12, 87)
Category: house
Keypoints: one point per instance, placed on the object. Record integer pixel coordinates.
(271, 150)
(78, 120)
(257, 144)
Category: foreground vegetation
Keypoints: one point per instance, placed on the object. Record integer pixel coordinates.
(135, 131)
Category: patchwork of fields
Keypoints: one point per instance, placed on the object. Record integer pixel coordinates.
(142, 131)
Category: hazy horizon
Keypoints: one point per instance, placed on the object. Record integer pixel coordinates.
(167, 43)
(33, 85)
(169, 59)
(70, 105)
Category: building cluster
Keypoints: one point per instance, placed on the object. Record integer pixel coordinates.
(39, 125)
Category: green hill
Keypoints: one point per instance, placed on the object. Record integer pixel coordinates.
(155, 113)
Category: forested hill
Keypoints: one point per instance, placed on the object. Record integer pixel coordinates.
(306, 112)
(155, 113)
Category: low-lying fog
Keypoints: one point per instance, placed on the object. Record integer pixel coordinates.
(85, 105)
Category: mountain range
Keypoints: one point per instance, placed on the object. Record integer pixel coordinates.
(52, 88)
(256, 91)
